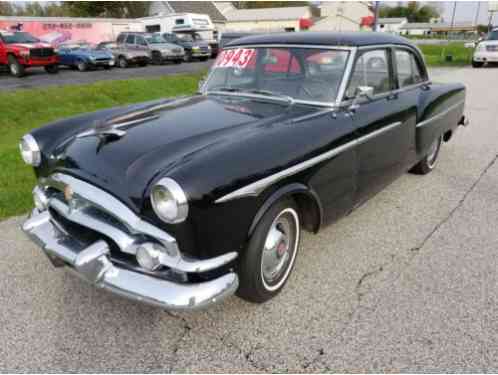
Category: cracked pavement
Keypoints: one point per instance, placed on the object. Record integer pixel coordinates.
(406, 283)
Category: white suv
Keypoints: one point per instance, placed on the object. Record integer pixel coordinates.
(486, 50)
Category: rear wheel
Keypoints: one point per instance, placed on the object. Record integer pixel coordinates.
(265, 266)
(178, 61)
(427, 164)
(477, 64)
(16, 69)
(204, 58)
(52, 69)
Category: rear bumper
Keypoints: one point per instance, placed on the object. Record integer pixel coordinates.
(93, 264)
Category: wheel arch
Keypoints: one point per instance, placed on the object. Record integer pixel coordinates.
(309, 204)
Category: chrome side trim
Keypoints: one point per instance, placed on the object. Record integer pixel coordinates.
(257, 187)
(442, 114)
(377, 132)
(92, 264)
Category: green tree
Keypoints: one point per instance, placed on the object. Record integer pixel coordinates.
(412, 11)
(6, 9)
(117, 9)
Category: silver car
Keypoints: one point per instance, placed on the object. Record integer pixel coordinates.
(124, 55)
(160, 50)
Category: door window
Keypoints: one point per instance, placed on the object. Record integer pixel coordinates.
(130, 39)
(141, 41)
(371, 69)
(408, 71)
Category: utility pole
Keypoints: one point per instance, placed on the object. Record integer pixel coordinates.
(376, 15)
(476, 20)
(453, 18)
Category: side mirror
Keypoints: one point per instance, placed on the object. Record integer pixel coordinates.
(361, 93)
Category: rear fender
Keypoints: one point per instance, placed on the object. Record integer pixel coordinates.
(441, 111)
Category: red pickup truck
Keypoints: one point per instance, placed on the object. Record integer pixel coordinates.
(20, 50)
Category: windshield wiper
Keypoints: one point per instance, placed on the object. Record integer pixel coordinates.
(271, 93)
(275, 95)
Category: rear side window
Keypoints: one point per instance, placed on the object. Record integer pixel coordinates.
(121, 38)
(371, 69)
(130, 39)
(408, 71)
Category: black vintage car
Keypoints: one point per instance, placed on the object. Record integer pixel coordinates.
(182, 202)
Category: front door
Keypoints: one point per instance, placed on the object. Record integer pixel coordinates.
(384, 123)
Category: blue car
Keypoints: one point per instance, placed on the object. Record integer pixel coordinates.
(83, 57)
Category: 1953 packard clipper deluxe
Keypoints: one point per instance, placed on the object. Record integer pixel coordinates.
(181, 203)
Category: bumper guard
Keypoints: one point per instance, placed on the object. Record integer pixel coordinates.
(92, 263)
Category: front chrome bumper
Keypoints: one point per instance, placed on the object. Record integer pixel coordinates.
(93, 264)
(64, 200)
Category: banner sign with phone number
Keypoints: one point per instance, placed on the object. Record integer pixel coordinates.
(238, 58)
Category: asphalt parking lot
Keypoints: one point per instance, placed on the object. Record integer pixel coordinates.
(37, 77)
(406, 283)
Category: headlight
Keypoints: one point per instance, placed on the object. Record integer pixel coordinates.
(24, 52)
(92, 58)
(166, 51)
(169, 201)
(30, 151)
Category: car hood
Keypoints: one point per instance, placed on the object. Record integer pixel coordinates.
(489, 43)
(161, 46)
(162, 136)
(96, 53)
(29, 45)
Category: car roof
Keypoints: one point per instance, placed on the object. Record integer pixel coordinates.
(348, 39)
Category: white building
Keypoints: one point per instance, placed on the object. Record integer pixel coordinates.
(416, 28)
(268, 19)
(341, 16)
(391, 25)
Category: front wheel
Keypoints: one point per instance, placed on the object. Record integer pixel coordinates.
(52, 69)
(427, 164)
(477, 64)
(82, 66)
(266, 264)
(16, 69)
(122, 62)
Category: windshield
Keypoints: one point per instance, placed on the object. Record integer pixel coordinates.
(493, 35)
(309, 74)
(18, 37)
(185, 37)
(155, 39)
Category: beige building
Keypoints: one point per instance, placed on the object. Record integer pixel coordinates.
(341, 16)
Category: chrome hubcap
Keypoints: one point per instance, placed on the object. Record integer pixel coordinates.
(280, 249)
(13, 68)
(433, 152)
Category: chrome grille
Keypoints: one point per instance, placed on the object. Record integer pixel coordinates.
(41, 52)
(492, 48)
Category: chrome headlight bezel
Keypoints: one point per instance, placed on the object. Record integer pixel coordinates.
(30, 151)
(173, 199)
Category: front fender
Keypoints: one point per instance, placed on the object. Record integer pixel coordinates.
(309, 203)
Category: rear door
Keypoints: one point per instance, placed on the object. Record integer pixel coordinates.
(384, 123)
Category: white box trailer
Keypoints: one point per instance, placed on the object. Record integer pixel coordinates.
(56, 30)
(180, 22)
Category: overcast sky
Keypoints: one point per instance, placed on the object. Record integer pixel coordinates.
(466, 11)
